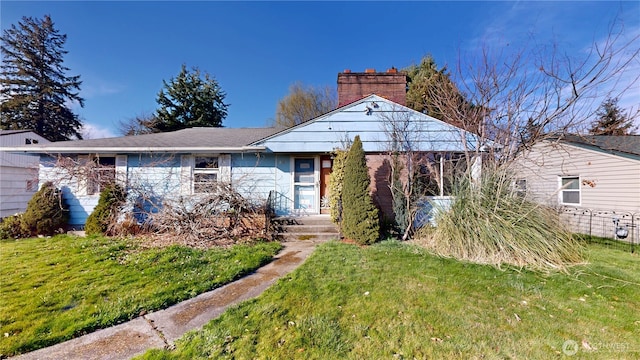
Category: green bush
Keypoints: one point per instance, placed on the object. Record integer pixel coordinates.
(11, 227)
(106, 212)
(491, 223)
(47, 213)
(336, 182)
(360, 220)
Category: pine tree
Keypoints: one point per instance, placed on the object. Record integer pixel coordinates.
(190, 101)
(611, 120)
(360, 219)
(33, 86)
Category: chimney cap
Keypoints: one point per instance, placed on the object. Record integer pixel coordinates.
(393, 70)
(347, 71)
(369, 71)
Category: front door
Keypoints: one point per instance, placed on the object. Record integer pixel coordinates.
(325, 173)
(304, 185)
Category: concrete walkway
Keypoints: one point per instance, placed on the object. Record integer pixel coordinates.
(160, 329)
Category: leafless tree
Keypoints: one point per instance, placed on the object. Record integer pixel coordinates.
(304, 103)
(137, 125)
(525, 96)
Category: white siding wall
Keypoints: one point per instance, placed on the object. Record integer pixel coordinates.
(608, 182)
(17, 171)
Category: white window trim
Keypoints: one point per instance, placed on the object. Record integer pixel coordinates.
(188, 171)
(561, 190)
(521, 186)
(196, 171)
(84, 184)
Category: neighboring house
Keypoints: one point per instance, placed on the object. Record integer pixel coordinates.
(290, 166)
(593, 179)
(18, 172)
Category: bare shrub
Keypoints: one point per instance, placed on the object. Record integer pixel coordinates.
(219, 217)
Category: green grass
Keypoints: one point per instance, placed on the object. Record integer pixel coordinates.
(62, 287)
(396, 301)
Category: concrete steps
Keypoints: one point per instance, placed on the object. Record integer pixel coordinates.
(314, 227)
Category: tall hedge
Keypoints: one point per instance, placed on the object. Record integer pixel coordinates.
(360, 219)
(47, 213)
(104, 214)
(336, 181)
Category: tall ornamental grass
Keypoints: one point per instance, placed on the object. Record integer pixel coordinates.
(491, 222)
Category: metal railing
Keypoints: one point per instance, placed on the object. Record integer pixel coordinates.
(614, 228)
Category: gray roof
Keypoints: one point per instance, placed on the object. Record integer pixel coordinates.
(619, 145)
(10, 132)
(181, 141)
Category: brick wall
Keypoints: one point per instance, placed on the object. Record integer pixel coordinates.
(379, 173)
(391, 85)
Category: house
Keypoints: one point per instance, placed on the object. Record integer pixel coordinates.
(18, 172)
(593, 180)
(290, 166)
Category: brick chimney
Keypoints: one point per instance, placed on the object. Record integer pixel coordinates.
(354, 86)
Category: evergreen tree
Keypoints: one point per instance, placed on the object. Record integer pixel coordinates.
(360, 219)
(336, 182)
(431, 91)
(189, 100)
(34, 89)
(611, 120)
(47, 213)
(106, 212)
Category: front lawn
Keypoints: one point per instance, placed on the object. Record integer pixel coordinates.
(62, 287)
(395, 301)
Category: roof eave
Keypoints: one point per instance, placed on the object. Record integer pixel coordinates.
(123, 150)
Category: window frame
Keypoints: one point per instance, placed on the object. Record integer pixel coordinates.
(96, 185)
(520, 187)
(562, 189)
(206, 171)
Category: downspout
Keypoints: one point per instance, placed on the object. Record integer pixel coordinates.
(441, 175)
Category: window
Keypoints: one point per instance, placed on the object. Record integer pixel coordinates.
(520, 187)
(570, 190)
(205, 173)
(102, 173)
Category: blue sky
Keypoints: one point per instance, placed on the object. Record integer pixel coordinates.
(256, 50)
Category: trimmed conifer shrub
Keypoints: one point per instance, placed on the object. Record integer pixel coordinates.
(360, 219)
(11, 227)
(104, 214)
(336, 182)
(47, 213)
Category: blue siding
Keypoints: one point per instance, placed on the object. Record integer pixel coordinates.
(255, 176)
(154, 176)
(283, 196)
(334, 129)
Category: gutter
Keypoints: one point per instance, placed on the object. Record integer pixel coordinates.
(122, 150)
